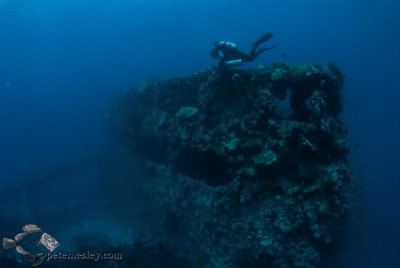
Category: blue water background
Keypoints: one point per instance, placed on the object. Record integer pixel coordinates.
(62, 61)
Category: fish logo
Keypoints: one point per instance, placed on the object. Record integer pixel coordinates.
(25, 246)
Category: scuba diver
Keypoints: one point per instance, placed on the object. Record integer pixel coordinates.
(229, 55)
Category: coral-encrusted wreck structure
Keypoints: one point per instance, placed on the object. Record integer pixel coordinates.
(247, 168)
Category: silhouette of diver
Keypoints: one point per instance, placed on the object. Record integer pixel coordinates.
(229, 55)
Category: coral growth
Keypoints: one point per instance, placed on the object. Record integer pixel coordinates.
(238, 183)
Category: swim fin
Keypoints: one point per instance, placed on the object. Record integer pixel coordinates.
(268, 48)
(261, 50)
(263, 39)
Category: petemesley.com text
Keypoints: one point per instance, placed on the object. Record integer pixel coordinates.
(91, 256)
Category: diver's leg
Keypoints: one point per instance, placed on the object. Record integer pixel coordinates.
(254, 53)
(245, 57)
(261, 50)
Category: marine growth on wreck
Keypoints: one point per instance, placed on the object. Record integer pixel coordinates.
(245, 168)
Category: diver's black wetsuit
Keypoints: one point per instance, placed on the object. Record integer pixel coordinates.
(226, 51)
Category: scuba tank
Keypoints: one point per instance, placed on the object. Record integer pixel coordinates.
(233, 63)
